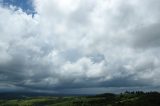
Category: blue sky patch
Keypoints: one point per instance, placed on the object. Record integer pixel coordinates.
(25, 5)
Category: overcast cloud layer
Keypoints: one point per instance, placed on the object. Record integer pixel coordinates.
(80, 44)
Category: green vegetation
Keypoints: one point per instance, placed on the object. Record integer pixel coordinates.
(108, 99)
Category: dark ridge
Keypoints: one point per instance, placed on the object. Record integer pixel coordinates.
(23, 95)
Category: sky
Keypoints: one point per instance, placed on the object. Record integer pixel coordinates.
(79, 46)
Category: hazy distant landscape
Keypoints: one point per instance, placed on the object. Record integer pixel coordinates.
(107, 99)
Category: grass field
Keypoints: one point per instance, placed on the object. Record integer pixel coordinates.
(125, 99)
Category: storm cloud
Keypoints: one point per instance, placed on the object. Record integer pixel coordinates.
(80, 44)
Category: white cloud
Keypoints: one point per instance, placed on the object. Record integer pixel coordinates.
(80, 42)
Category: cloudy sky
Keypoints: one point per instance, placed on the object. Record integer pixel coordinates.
(79, 46)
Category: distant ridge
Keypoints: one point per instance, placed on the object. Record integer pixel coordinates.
(21, 95)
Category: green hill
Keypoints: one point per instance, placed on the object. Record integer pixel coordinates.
(107, 99)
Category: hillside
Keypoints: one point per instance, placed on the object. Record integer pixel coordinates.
(108, 99)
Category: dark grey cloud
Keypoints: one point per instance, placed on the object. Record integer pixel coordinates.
(147, 36)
